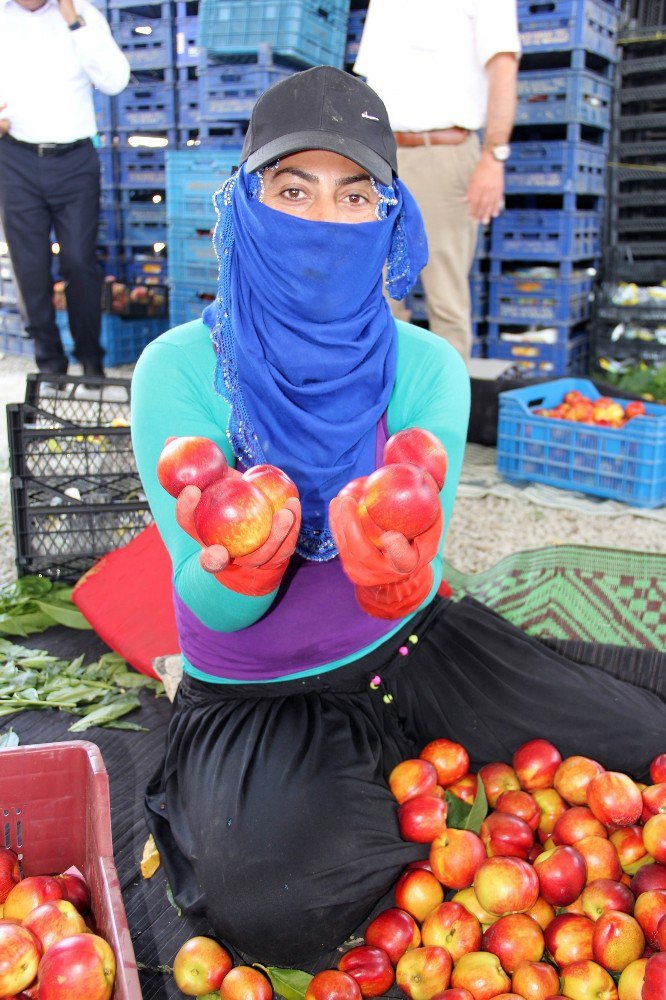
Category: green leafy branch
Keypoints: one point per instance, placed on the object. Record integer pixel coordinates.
(33, 604)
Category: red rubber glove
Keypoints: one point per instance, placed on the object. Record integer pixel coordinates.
(257, 573)
(390, 580)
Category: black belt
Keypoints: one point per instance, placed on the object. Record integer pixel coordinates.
(48, 148)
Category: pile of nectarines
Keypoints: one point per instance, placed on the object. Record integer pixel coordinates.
(600, 412)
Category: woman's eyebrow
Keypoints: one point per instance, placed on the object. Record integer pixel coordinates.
(353, 179)
(313, 179)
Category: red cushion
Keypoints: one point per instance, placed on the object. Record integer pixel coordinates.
(127, 598)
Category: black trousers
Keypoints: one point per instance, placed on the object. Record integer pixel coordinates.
(38, 194)
(271, 808)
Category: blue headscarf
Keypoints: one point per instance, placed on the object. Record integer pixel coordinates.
(305, 340)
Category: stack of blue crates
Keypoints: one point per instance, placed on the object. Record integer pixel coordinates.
(546, 246)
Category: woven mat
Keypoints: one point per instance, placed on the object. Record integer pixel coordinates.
(480, 478)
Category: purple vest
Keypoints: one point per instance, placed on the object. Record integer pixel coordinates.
(314, 620)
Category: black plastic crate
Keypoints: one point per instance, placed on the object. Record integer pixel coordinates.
(75, 492)
(58, 400)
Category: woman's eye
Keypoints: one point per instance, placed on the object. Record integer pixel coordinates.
(292, 194)
(356, 199)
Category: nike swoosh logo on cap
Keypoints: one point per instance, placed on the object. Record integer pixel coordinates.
(371, 117)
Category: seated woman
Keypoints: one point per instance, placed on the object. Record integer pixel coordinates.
(318, 662)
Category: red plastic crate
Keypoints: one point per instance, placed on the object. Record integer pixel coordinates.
(55, 813)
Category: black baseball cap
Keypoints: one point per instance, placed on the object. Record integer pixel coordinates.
(322, 108)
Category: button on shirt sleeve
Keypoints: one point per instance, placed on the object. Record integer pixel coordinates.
(100, 56)
(496, 28)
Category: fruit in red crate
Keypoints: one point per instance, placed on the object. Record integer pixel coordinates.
(29, 893)
(412, 777)
(654, 837)
(450, 760)
(245, 983)
(80, 967)
(617, 940)
(635, 408)
(575, 823)
(275, 484)
(422, 973)
(587, 980)
(649, 910)
(506, 835)
(535, 980)
(75, 889)
(416, 446)
(394, 931)
(422, 818)
(455, 857)
(370, 967)
(331, 984)
(562, 875)
(53, 921)
(233, 513)
(654, 800)
(601, 858)
(190, 461)
(200, 966)
(10, 873)
(506, 885)
(536, 763)
(573, 776)
(19, 957)
(497, 778)
(628, 842)
(603, 895)
(481, 973)
(648, 877)
(514, 938)
(418, 891)
(569, 938)
(552, 805)
(654, 985)
(464, 788)
(453, 927)
(658, 769)
(615, 799)
(630, 983)
(520, 804)
(398, 498)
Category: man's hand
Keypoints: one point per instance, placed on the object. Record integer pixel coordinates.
(66, 8)
(5, 123)
(485, 193)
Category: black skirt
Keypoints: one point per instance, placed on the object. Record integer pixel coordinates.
(271, 808)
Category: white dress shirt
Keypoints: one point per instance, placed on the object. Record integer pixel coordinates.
(426, 58)
(47, 72)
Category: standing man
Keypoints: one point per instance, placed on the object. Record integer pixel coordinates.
(446, 70)
(52, 53)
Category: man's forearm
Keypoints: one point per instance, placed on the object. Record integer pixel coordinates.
(502, 72)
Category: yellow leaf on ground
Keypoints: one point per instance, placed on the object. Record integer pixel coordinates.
(150, 861)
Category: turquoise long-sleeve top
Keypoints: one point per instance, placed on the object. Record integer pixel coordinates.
(311, 623)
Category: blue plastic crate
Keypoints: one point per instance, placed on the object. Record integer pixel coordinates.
(561, 25)
(192, 258)
(546, 302)
(8, 287)
(13, 338)
(416, 300)
(146, 41)
(103, 115)
(141, 168)
(567, 357)
(354, 31)
(187, 50)
(106, 167)
(546, 235)
(144, 222)
(187, 302)
(627, 463)
(229, 91)
(192, 177)
(311, 32)
(556, 168)
(144, 267)
(188, 109)
(563, 96)
(108, 229)
(122, 339)
(147, 105)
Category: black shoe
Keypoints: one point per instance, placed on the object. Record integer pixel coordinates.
(93, 370)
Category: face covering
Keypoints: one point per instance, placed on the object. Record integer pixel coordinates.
(305, 341)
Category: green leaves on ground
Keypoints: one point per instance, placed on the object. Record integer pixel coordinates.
(288, 983)
(463, 816)
(101, 693)
(33, 604)
(9, 739)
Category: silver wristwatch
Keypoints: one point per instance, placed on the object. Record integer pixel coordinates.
(500, 153)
